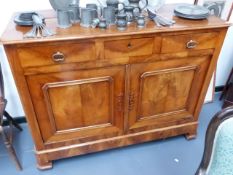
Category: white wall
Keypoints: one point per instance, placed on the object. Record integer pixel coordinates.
(9, 7)
(14, 106)
(225, 62)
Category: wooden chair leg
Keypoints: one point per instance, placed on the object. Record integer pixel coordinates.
(10, 148)
(9, 118)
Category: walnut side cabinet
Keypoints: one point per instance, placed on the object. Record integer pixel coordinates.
(87, 90)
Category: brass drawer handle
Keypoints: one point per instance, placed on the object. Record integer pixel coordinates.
(58, 57)
(191, 44)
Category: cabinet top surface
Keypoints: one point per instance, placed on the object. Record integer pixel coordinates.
(14, 34)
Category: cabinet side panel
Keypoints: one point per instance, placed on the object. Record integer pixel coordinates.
(24, 94)
(212, 67)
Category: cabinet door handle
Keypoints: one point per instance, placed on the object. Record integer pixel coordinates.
(191, 44)
(58, 57)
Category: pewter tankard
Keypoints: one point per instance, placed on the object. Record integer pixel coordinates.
(93, 6)
(109, 15)
(87, 17)
(63, 19)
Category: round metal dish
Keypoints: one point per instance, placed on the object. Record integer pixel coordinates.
(191, 10)
(25, 19)
(195, 17)
(191, 17)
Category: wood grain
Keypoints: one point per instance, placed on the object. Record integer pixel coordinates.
(178, 43)
(162, 89)
(42, 55)
(77, 102)
(128, 48)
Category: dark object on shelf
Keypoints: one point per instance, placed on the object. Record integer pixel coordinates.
(227, 93)
(218, 144)
(7, 139)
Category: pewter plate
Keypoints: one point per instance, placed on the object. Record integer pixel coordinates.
(191, 10)
(25, 18)
(191, 17)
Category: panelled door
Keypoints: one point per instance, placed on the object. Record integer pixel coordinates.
(165, 93)
(84, 105)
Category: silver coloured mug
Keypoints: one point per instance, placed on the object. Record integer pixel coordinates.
(74, 13)
(141, 21)
(87, 16)
(109, 15)
(93, 6)
(129, 11)
(63, 18)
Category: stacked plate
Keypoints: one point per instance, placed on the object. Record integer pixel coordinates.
(189, 11)
(25, 18)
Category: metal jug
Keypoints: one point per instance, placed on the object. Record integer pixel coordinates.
(114, 3)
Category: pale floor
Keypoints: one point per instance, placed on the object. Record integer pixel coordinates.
(173, 156)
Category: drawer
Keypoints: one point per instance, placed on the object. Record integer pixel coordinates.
(128, 48)
(179, 43)
(60, 53)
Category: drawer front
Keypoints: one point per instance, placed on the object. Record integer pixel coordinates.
(128, 48)
(179, 43)
(43, 55)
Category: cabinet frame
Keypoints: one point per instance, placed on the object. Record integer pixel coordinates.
(45, 154)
